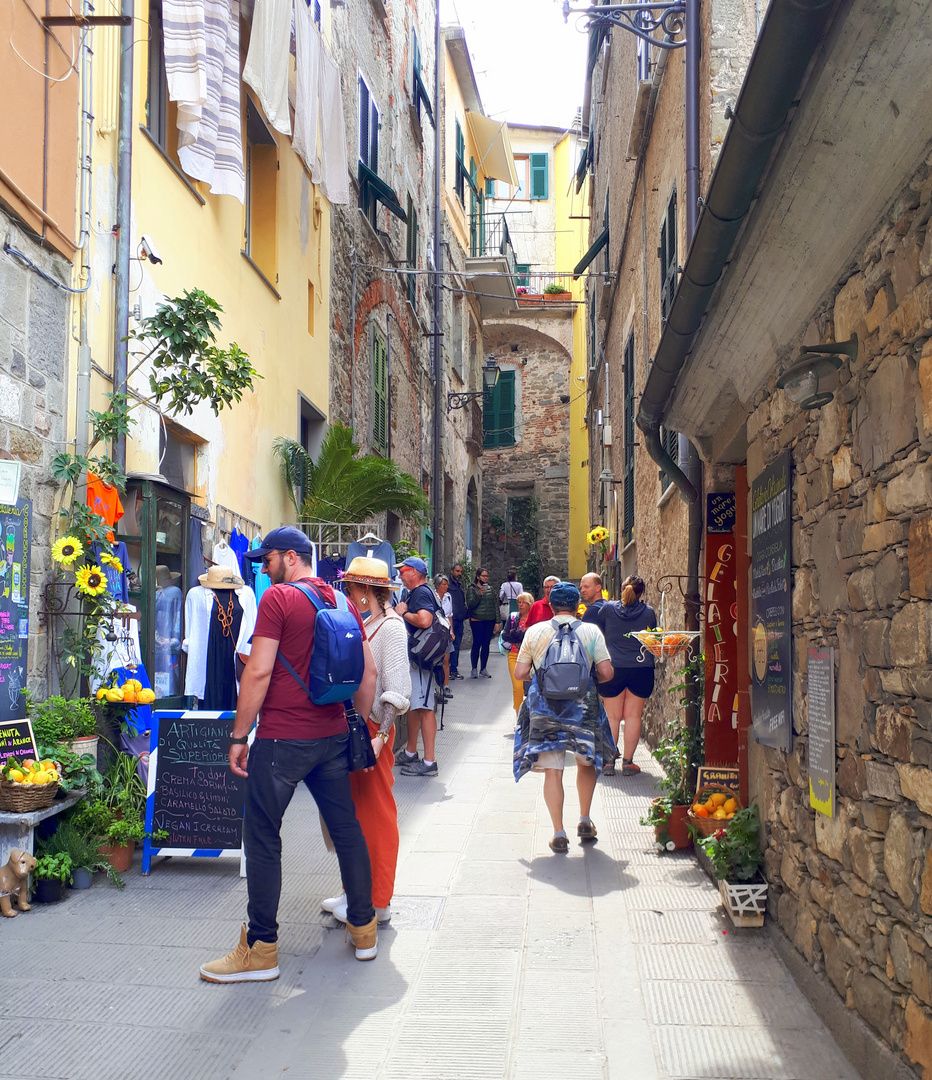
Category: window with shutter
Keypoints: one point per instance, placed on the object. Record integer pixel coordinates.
(628, 509)
(368, 145)
(670, 441)
(498, 417)
(668, 263)
(379, 394)
(474, 206)
(460, 181)
(539, 175)
(411, 280)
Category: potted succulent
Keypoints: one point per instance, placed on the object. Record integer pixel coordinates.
(52, 873)
(736, 857)
(555, 293)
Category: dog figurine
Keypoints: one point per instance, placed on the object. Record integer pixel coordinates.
(14, 878)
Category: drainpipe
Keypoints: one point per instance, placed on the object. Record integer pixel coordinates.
(123, 217)
(435, 322)
(388, 379)
(83, 388)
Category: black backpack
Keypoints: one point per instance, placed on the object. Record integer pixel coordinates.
(427, 645)
(564, 672)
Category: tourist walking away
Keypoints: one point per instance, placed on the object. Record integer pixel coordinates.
(442, 588)
(624, 696)
(296, 741)
(541, 610)
(367, 584)
(512, 636)
(590, 592)
(483, 619)
(562, 712)
(508, 594)
(460, 615)
(417, 610)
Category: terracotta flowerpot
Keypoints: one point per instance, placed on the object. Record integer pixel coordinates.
(120, 856)
(676, 828)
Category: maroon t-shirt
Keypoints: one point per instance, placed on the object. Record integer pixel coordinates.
(287, 616)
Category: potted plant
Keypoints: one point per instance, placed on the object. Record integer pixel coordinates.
(736, 857)
(555, 293)
(678, 752)
(52, 873)
(82, 849)
(58, 720)
(76, 772)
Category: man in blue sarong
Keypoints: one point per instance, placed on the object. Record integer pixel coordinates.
(548, 729)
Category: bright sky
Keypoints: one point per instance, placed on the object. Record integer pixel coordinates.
(529, 64)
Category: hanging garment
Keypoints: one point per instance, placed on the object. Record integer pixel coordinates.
(104, 500)
(167, 642)
(197, 614)
(224, 555)
(117, 580)
(226, 616)
(334, 175)
(266, 68)
(196, 563)
(262, 581)
(210, 140)
(373, 548)
(185, 51)
(121, 652)
(240, 546)
(307, 89)
(330, 568)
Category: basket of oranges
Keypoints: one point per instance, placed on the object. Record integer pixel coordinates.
(664, 643)
(713, 808)
(28, 785)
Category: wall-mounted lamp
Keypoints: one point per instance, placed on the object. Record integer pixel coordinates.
(801, 380)
(490, 374)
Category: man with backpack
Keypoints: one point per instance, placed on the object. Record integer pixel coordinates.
(562, 712)
(421, 610)
(298, 741)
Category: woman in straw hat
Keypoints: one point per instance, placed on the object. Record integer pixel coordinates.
(367, 584)
(219, 618)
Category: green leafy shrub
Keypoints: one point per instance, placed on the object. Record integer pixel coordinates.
(58, 720)
(735, 852)
(58, 867)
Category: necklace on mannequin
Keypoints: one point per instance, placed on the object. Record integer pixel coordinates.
(225, 617)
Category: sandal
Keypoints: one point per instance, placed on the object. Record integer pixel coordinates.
(560, 845)
(628, 768)
(609, 769)
(586, 831)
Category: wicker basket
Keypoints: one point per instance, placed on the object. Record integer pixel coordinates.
(706, 826)
(24, 798)
(665, 643)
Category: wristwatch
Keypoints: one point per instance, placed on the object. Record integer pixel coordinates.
(383, 735)
(240, 741)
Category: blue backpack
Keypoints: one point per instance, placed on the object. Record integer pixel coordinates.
(337, 657)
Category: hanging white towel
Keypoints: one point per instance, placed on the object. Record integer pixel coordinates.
(185, 49)
(266, 68)
(307, 89)
(210, 141)
(334, 178)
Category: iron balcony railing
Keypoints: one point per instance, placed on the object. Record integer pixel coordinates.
(489, 236)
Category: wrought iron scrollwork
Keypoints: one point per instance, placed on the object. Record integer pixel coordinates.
(642, 20)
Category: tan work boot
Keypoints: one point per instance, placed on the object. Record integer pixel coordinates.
(244, 964)
(365, 939)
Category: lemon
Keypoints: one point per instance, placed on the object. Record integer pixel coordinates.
(40, 777)
(53, 775)
(718, 798)
(17, 775)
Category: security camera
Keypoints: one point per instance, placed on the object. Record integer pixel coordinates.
(148, 249)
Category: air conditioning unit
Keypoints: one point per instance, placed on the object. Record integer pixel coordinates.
(607, 435)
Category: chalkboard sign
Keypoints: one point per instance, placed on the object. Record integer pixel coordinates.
(724, 777)
(15, 536)
(16, 741)
(821, 698)
(192, 794)
(771, 615)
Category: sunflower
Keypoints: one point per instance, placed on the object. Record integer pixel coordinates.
(112, 561)
(597, 535)
(91, 581)
(66, 550)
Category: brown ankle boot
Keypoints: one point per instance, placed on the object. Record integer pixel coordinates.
(365, 939)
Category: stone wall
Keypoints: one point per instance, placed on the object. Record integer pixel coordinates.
(34, 324)
(854, 893)
(538, 463)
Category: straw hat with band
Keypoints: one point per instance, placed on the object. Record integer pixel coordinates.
(365, 571)
(220, 577)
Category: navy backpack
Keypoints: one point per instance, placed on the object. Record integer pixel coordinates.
(337, 657)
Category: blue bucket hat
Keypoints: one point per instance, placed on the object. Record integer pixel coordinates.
(564, 595)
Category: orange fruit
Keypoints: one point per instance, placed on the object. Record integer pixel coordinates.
(700, 811)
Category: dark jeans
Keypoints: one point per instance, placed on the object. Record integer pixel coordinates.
(458, 625)
(481, 636)
(276, 767)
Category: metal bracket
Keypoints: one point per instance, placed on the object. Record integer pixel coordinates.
(642, 20)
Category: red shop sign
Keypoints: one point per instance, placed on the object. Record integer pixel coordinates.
(721, 651)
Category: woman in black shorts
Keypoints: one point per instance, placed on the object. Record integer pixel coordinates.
(633, 681)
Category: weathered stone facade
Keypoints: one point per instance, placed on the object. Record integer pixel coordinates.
(34, 324)
(855, 892)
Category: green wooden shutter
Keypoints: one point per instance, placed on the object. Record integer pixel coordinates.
(490, 189)
(539, 172)
(411, 281)
(379, 394)
(498, 416)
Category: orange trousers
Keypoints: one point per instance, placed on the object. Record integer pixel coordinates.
(517, 687)
(378, 816)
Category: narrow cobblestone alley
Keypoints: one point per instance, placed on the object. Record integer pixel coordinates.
(502, 959)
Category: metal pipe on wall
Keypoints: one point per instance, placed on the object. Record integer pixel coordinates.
(437, 481)
(123, 216)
